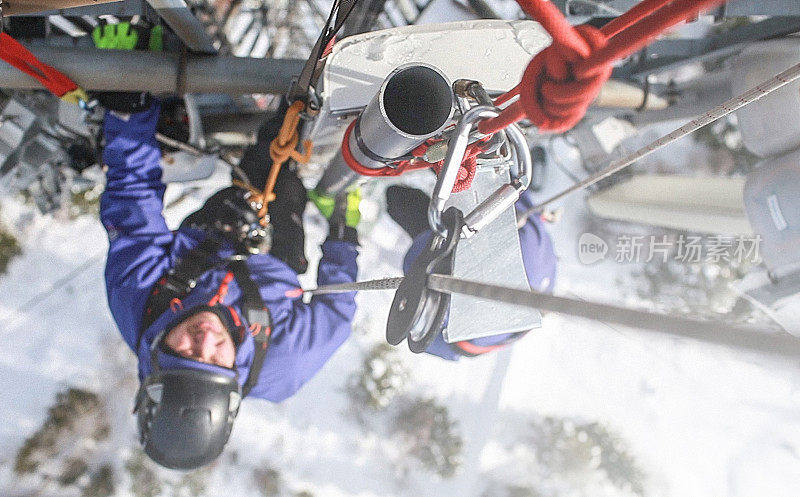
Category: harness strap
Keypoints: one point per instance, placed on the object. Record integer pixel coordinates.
(16, 55)
(181, 280)
(259, 317)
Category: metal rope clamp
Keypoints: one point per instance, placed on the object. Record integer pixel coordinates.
(502, 199)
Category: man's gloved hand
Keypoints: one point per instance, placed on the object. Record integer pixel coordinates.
(341, 212)
(227, 212)
(126, 36)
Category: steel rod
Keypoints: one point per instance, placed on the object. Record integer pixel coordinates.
(157, 72)
(18, 7)
(742, 337)
(381, 284)
(722, 110)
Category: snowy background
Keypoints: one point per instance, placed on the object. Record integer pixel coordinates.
(577, 408)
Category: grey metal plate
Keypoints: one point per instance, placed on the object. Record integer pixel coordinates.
(494, 256)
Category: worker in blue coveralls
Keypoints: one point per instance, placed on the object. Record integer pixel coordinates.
(408, 207)
(209, 320)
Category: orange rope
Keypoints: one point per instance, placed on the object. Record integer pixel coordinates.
(283, 148)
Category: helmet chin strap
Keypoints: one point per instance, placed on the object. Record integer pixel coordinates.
(154, 351)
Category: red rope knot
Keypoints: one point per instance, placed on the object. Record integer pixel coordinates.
(562, 81)
(466, 173)
(556, 88)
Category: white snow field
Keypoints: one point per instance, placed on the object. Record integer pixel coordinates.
(696, 420)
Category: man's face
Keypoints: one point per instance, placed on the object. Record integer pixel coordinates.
(203, 337)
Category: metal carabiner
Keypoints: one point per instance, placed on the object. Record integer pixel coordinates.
(507, 195)
(501, 199)
(456, 148)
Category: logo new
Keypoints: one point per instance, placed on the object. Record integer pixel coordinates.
(591, 248)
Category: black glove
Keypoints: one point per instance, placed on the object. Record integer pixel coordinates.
(227, 213)
(286, 211)
(340, 232)
(128, 102)
(286, 218)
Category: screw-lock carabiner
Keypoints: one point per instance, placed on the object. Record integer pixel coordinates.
(501, 199)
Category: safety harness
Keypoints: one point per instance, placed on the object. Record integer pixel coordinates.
(170, 290)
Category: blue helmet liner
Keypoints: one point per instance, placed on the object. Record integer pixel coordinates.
(164, 358)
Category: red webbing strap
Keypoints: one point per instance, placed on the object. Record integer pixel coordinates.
(20, 57)
(562, 80)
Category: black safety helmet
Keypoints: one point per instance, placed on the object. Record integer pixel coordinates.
(185, 416)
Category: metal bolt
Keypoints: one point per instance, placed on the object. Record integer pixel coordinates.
(402, 305)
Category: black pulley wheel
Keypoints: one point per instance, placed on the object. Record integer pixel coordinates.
(418, 313)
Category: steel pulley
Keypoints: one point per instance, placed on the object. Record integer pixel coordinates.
(418, 313)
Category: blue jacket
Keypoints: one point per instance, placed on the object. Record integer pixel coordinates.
(142, 249)
(539, 260)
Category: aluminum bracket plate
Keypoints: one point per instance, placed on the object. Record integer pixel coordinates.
(494, 52)
(493, 255)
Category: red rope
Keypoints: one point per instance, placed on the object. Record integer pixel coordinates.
(466, 172)
(467, 169)
(20, 57)
(645, 30)
(356, 166)
(562, 81)
(635, 14)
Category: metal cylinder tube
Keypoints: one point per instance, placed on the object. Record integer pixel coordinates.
(414, 103)
(337, 177)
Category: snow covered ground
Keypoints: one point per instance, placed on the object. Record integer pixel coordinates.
(673, 418)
